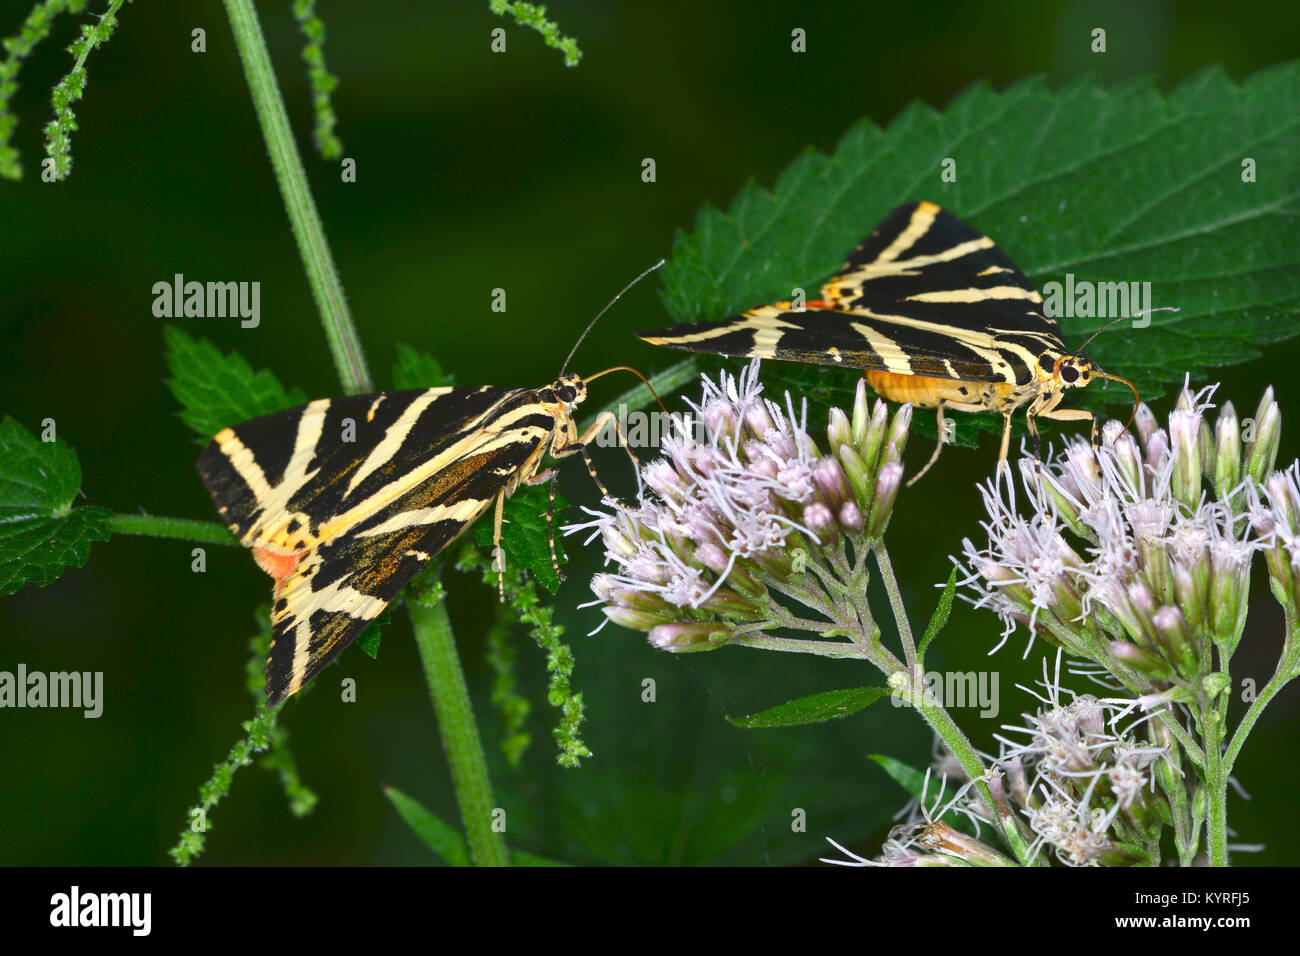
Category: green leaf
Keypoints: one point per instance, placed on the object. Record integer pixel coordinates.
(525, 537)
(438, 836)
(416, 369)
(368, 641)
(909, 778)
(41, 534)
(217, 390)
(1123, 184)
(940, 616)
(815, 708)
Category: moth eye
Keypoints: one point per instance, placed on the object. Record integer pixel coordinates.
(566, 393)
(1069, 373)
(1045, 362)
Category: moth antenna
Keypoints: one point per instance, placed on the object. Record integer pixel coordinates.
(1120, 318)
(574, 350)
(644, 380)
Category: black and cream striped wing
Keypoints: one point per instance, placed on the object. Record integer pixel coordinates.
(344, 500)
(924, 294)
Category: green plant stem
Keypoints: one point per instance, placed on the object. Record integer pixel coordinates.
(460, 737)
(1285, 673)
(794, 645)
(1216, 785)
(896, 602)
(157, 526)
(326, 287)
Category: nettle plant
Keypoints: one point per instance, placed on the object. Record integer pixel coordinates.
(1130, 558)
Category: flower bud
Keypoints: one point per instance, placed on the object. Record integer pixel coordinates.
(888, 482)
(838, 430)
(1128, 457)
(759, 419)
(939, 837)
(1157, 448)
(1179, 648)
(663, 479)
(1146, 423)
(689, 636)
(720, 418)
(1184, 435)
(1144, 606)
(728, 603)
(869, 446)
(1141, 660)
(1190, 597)
(820, 520)
(1263, 452)
(896, 436)
(861, 416)
(633, 619)
(1227, 452)
(850, 516)
(831, 482)
(1206, 444)
(858, 474)
(1229, 590)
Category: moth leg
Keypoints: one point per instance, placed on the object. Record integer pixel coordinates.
(499, 556)
(1031, 420)
(1074, 415)
(938, 445)
(550, 525)
(579, 444)
(1006, 437)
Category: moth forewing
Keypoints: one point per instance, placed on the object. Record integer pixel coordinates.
(932, 312)
(343, 501)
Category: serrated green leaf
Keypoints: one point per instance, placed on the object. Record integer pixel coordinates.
(438, 836)
(524, 534)
(814, 709)
(415, 369)
(1123, 184)
(41, 534)
(940, 616)
(215, 390)
(909, 778)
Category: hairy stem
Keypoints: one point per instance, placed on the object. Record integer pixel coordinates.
(460, 737)
(896, 602)
(157, 526)
(326, 287)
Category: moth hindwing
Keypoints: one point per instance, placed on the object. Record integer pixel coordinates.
(932, 312)
(344, 500)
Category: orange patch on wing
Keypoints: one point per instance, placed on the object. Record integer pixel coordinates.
(279, 566)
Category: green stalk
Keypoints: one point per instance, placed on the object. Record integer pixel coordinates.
(460, 738)
(308, 230)
(157, 526)
(1216, 785)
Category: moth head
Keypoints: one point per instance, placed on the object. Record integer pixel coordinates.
(570, 389)
(1066, 371)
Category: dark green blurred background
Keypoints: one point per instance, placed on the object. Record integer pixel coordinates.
(476, 171)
